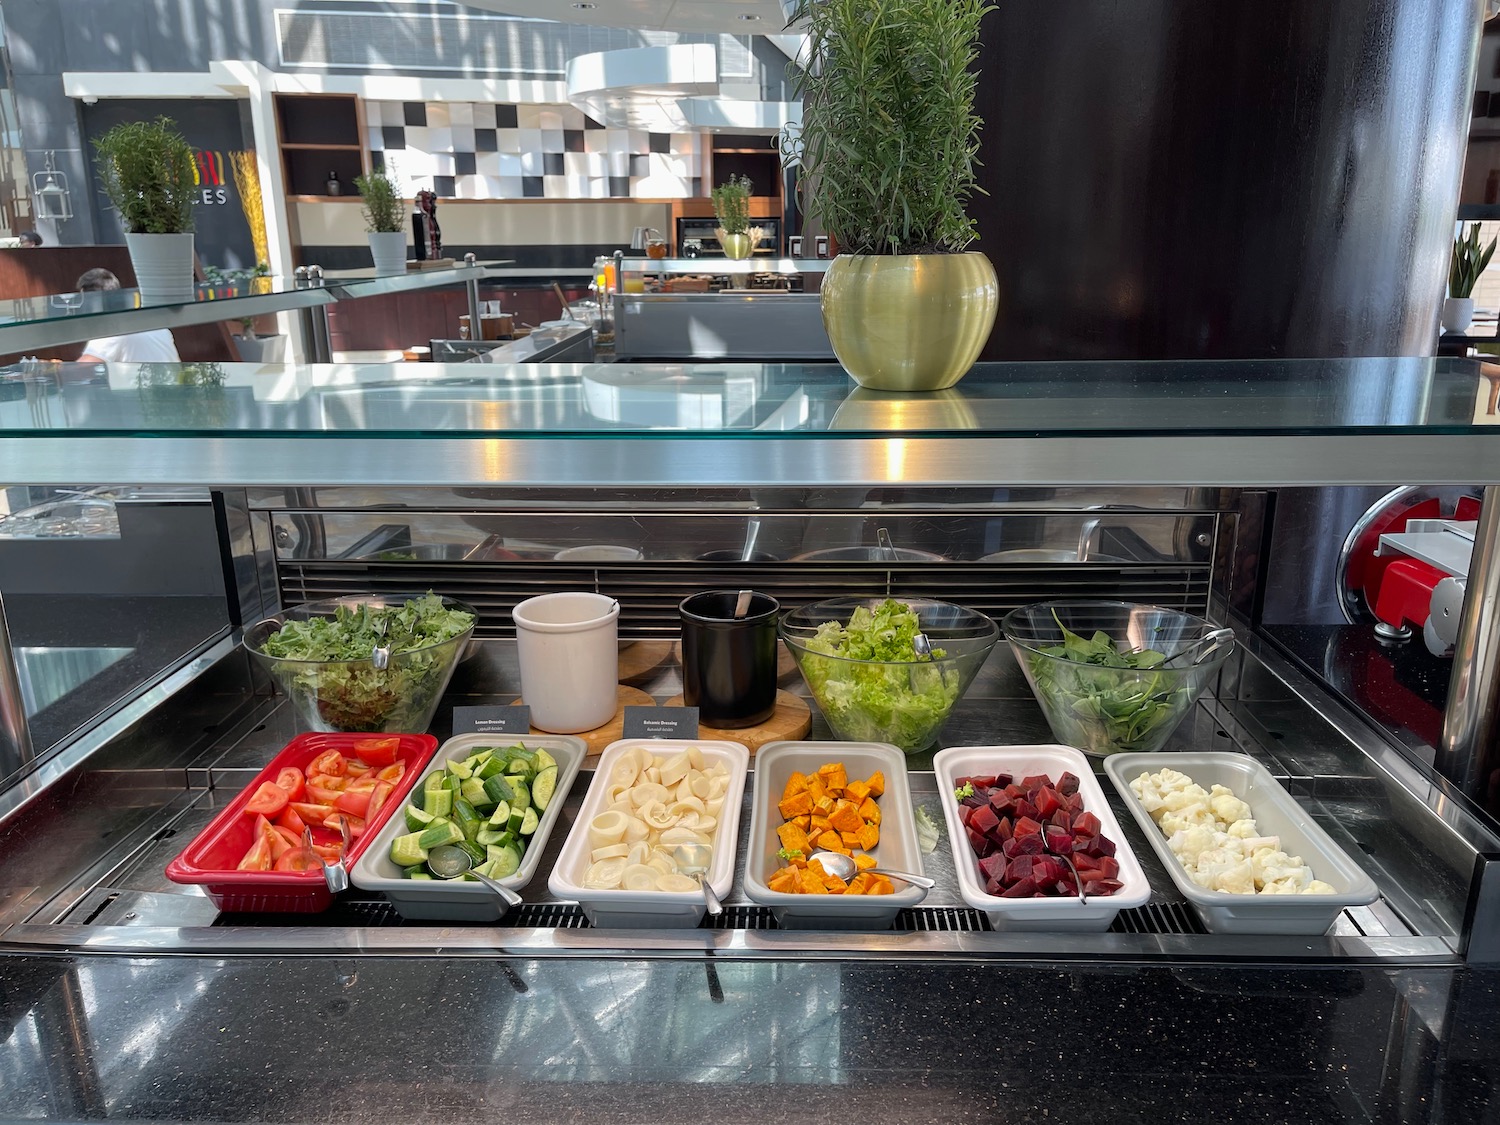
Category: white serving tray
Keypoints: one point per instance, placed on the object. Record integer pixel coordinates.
(1036, 913)
(462, 900)
(898, 848)
(1277, 813)
(651, 909)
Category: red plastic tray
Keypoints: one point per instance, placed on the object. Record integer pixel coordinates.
(211, 860)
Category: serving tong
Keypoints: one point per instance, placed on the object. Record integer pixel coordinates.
(919, 643)
(335, 875)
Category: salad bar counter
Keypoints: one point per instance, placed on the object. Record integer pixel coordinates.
(1148, 826)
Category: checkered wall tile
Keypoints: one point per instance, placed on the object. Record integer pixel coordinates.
(466, 150)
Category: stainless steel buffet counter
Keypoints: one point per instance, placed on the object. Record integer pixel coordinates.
(1167, 471)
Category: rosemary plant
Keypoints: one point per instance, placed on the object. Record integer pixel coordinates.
(732, 204)
(384, 209)
(889, 133)
(149, 173)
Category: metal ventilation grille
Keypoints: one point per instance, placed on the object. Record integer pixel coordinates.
(1158, 918)
(649, 594)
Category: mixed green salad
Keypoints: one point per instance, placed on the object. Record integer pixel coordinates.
(1103, 700)
(898, 697)
(335, 674)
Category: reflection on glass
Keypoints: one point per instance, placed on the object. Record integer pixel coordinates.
(48, 674)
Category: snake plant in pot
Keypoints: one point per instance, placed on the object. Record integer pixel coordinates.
(887, 145)
(1469, 261)
(149, 173)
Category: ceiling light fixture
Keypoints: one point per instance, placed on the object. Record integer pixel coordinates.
(584, 7)
(747, 17)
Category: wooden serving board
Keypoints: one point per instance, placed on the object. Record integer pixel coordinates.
(792, 719)
(614, 730)
(641, 658)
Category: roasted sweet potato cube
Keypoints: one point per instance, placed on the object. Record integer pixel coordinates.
(818, 824)
(815, 787)
(876, 784)
(856, 791)
(803, 822)
(795, 784)
(784, 882)
(864, 862)
(795, 806)
(810, 880)
(869, 836)
(869, 810)
(851, 839)
(830, 840)
(825, 805)
(880, 885)
(860, 884)
(834, 775)
(793, 839)
(845, 817)
(835, 885)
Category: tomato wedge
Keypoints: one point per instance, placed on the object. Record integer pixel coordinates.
(356, 824)
(258, 858)
(330, 762)
(291, 779)
(323, 796)
(378, 751)
(291, 820)
(392, 773)
(309, 813)
(298, 859)
(355, 802)
(268, 800)
(378, 797)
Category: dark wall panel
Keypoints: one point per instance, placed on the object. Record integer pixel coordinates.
(1174, 179)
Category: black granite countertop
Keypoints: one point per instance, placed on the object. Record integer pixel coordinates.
(338, 1039)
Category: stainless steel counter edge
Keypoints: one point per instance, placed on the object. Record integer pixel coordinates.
(662, 458)
(478, 941)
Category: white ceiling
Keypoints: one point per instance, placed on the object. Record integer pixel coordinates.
(766, 17)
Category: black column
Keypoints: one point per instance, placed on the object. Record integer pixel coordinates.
(1179, 179)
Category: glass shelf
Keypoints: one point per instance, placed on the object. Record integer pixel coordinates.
(1356, 421)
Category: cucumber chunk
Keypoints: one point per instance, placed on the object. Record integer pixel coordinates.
(498, 789)
(440, 835)
(439, 802)
(407, 851)
(473, 791)
(529, 821)
(522, 791)
(461, 770)
(544, 761)
(417, 819)
(500, 815)
(507, 862)
(544, 787)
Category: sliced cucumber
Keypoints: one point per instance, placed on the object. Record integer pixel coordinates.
(544, 761)
(499, 789)
(408, 851)
(544, 786)
(507, 862)
(440, 835)
(490, 836)
(473, 791)
(500, 815)
(421, 875)
(461, 770)
(476, 853)
(492, 766)
(467, 817)
(529, 821)
(522, 790)
(417, 819)
(439, 802)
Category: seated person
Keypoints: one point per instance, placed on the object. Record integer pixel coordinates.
(156, 346)
(28, 240)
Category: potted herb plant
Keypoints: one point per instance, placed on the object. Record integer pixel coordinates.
(149, 173)
(732, 209)
(887, 144)
(1469, 261)
(385, 215)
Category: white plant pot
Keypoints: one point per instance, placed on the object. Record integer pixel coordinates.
(163, 265)
(261, 349)
(1458, 314)
(389, 251)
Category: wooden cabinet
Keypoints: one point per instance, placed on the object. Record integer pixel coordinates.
(320, 134)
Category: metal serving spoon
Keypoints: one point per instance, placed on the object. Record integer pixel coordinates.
(843, 866)
(449, 862)
(695, 860)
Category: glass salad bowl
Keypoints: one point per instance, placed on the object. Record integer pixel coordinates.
(858, 658)
(323, 654)
(1115, 677)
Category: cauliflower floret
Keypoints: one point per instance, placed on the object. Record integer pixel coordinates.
(1189, 797)
(1237, 879)
(1188, 844)
(1145, 790)
(1280, 887)
(1226, 806)
(1318, 887)
(1243, 829)
(1169, 779)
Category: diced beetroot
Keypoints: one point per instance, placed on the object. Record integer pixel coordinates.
(1074, 802)
(1085, 862)
(993, 866)
(1028, 810)
(1059, 842)
(1106, 846)
(988, 782)
(1010, 848)
(1045, 870)
(1015, 792)
(1004, 830)
(1062, 819)
(1109, 867)
(994, 887)
(1068, 783)
(1002, 804)
(1036, 781)
(975, 799)
(1020, 868)
(1023, 889)
(1102, 886)
(1064, 888)
(1003, 779)
(1027, 827)
(1047, 802)
(1029, 845)
(983, 820)
(980, 842)
(1087, 824)
(963, 814)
